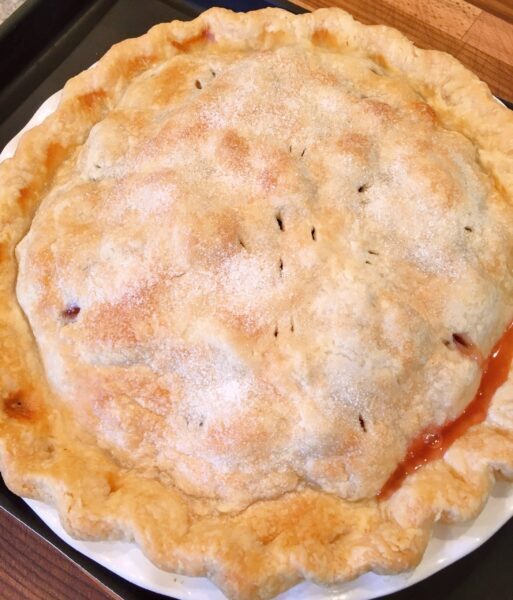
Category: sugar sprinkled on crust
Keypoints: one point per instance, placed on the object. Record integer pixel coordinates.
(201, 248)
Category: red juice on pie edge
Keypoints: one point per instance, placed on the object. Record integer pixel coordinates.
(433, 443)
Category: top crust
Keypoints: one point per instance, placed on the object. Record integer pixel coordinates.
(254, 235)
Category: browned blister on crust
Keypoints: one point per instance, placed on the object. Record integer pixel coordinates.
(231, 265)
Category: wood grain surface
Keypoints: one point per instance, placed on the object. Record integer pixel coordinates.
(31, 569)
(480, 34)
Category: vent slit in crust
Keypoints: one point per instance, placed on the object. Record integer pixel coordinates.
(467, 347)
(70, 313)
(362, 423)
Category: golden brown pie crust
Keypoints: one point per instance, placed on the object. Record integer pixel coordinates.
(258, 532)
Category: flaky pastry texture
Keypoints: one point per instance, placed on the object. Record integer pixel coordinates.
(233, 264)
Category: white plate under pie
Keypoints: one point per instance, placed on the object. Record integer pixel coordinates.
(448, 544)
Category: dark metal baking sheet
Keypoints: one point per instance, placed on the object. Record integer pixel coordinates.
(41, 46)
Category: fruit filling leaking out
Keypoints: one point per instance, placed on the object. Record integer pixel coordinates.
(433, 443)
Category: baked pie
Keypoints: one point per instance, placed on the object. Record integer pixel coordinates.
(256, 290)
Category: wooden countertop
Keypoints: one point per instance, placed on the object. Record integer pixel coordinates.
(480, 34)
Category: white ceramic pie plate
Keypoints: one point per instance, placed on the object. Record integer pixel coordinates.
(448, 544)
